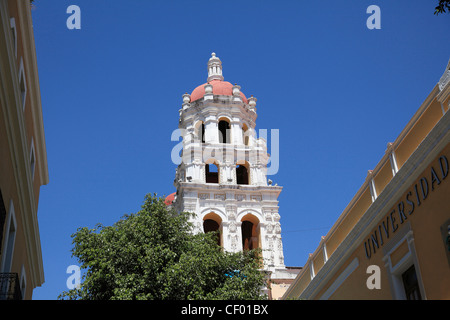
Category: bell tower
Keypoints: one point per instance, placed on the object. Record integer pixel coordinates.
(222, 175)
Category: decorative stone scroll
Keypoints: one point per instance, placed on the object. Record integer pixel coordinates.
(219, 196)
(203, 196)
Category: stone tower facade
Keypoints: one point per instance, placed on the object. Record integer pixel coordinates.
(222, 174)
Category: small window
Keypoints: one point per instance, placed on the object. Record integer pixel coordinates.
(12, 23)
(32, 159)
(22, 85)
(411, 284)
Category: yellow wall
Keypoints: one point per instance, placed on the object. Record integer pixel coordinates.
(383, 177)
(418, 132)
(15, 145)
(425, 221)
(348, 221)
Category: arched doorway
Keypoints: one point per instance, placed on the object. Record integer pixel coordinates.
(213, 223)
(250, 232)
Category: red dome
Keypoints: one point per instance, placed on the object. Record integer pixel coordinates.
(223, 88)
(169, 199)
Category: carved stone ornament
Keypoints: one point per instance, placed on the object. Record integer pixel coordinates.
(219, 196)
(232, 227)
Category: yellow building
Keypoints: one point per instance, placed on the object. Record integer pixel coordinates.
(392, 240)
(23, 159)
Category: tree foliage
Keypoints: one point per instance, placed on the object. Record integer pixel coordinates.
(442, 7)
(154, 255)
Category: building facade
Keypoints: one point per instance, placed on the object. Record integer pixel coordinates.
(222, 177)
(23, 159)
(393, 239)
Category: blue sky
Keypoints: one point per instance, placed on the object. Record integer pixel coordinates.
(337, 91)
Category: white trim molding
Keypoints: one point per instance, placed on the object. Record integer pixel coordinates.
(396, 270)
(22, 85)
(32, 159)
(10, 239)
(12, 23)
(340, 279)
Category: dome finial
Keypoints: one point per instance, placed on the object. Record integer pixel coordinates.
(214, 68)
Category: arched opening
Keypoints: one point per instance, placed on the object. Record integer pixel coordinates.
(212, 172)
(250, 232)
(245, 134)
(200, 131)
(224, 131)
(212, 223)
(242, 173)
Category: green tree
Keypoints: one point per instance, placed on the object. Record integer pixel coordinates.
(154, 255)
(442, 6)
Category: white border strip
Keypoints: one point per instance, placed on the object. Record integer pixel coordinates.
(339, 280)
